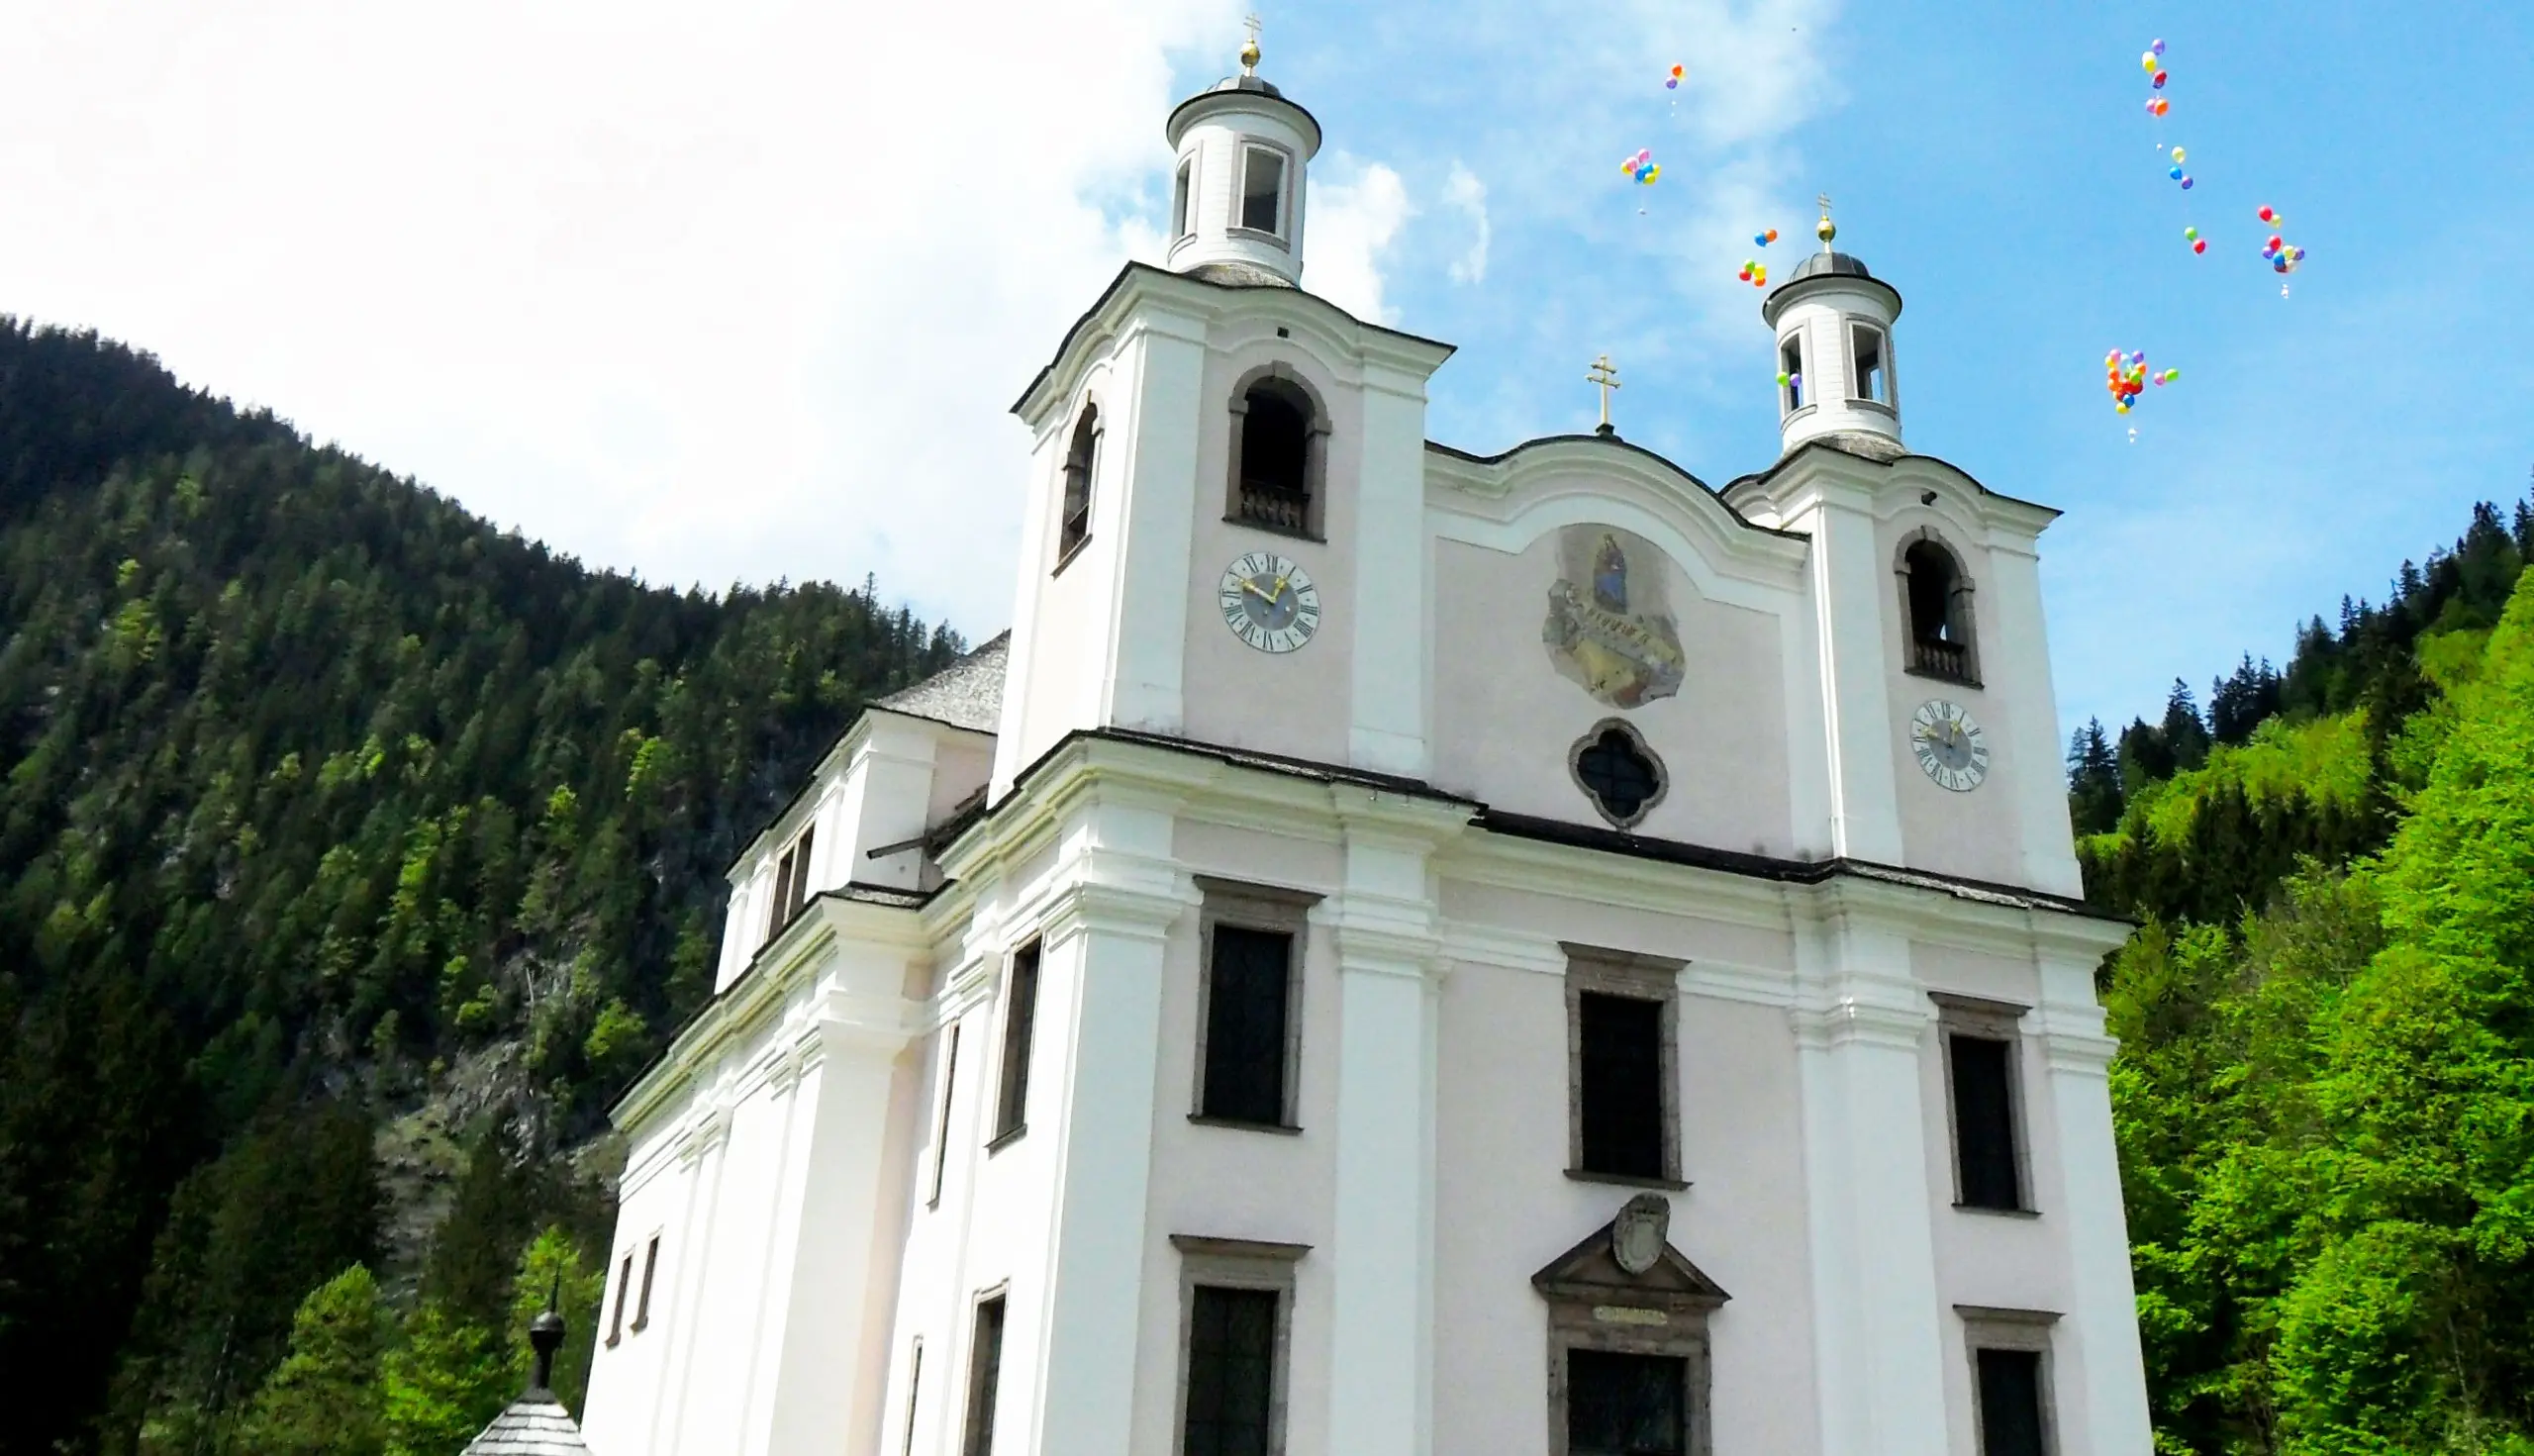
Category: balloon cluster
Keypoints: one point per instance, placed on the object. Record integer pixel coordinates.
(1672, 83)
(1642, 167)
(1755, 273)
(2176, 172)
(1785, 379)
(2281, 256)
(2198, 242)
(2153, 63)
(2126, 376)
(1763, 240)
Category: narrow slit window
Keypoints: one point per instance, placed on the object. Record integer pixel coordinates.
(1791, 365)
(1262, 191)
(1179, 218)
(1231, 1371)
(915, 1391)
(624, 1288)
(1623, 1405)
(1080, 457)
(2010, 1421)
(985, 1371)
(1020, 1015)
(1873, 370)
(941, 1118)
(1984, 1122)
(1249, 987)
(650, 1265)
(1622, 1083)
(781, 912)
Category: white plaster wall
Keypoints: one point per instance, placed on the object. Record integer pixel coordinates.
(1293, 702)
(620, 1414)
(1505, 718)
(1214, 145)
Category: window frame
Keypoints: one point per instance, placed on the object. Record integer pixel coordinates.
(1079, 467)
(1982, 1018)
(1591, 739)
(790, 882)
(1316, 435)
(1792, 399)
(1241, 1264)
(1273, 909)
(1183, 199)
(1889, 403)
(941, 1111)
(1282, 233)
(624, 1288)
(651, 1269)
(1019, 1023)
(1636, 977)
(915, 1393)
(1594, 1313)
(1962, 615)
(1988, 1328)
(984, 1389)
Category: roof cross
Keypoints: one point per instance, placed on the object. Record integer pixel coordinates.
(1249, 53)
(1604, 377)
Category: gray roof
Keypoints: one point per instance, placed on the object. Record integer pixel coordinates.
(968, 693)
(1816, 264)
(535, 1424)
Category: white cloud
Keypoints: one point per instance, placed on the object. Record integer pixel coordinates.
(1463, 190)
(1350, 227)
(720, 292)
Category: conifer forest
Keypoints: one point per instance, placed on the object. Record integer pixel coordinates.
(354, 855)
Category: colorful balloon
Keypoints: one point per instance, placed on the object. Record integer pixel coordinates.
(2178, 155)
(2190, 234)
(2186, 181)
(2157, 80)
(2157, 49)
(1672, 83)
(2266, 215)
(2147, 63)
(2200, 246)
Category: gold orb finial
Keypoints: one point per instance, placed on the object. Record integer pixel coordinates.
(1825, 230)
(1249, 50)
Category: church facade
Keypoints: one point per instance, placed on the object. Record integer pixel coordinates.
(1404, 952)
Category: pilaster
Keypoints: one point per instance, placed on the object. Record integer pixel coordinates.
(1850, 612)
(2108, 1359)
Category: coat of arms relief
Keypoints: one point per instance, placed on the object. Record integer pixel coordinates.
(1609, 627)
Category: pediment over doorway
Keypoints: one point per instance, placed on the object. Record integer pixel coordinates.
(1629, 1263)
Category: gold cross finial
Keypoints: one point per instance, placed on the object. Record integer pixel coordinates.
(1249, 53)
(1825, 230)
(1606, 378)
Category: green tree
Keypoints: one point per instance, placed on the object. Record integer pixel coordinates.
(323, 1400)
(554, 1267)
(442, 1384)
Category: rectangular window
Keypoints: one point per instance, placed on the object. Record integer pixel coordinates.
(1179, 219)
(2011, 1403)
(941, 1119)
(1020, 1013)
(1262, 190)
(791, 884)
(650, 1265)
(1984, 1124)
(624, 1288)
(1624, 1120)
(985, 1369)
(1873, 375)
(1791, 365)
(1231, 1371)
(1622, 1084)
(1247, 986)
(1236, 1311)
(1619, 1405)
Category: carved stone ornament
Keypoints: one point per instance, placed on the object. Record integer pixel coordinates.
(1638, 1234)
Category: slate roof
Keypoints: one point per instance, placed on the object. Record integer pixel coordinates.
(535, 1424)
(968, 693)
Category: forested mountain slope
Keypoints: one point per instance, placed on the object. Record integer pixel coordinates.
(322, 801)
(2325, 1089)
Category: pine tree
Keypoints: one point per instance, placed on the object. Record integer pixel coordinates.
(554, 1267)
(2094, 801)
(2186, 735)
(442, 1384)
(325, 1399)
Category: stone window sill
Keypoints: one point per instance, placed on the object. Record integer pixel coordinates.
(1005, 1138)
(1997, 1213)
(1626, 1180)
(1243, 1125)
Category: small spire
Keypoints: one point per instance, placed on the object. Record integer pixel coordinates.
(1825, 230)
(545, 1336)
(1606, 378)
(1249, 51)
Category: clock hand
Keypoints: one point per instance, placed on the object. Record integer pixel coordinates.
(1252, 587)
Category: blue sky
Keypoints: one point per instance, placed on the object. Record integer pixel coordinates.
(744, 292)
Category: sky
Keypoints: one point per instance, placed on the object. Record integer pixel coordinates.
(744, 292)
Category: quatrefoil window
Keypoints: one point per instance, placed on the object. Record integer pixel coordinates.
(1617, 772)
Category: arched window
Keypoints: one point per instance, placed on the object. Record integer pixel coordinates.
(1079, 458)
(1276, 454)
(1937, 597)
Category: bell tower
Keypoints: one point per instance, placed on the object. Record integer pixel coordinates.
(1237, 192)
(1833, 321)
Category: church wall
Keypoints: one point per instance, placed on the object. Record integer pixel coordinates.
(1293, 702)
(1060, 673)
(1505, 715)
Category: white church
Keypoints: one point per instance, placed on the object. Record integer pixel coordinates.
(1401, 952)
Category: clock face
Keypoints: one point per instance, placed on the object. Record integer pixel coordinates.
(1269, 602)
(1949, 745)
